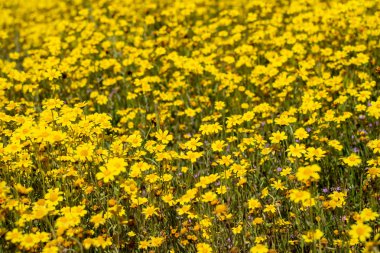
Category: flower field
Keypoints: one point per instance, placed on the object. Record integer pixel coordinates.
(190, 126)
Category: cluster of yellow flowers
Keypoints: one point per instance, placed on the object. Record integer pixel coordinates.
(190, 126)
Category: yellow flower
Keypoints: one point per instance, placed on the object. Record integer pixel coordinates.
(270, 209)
(106, 174)
(335, 144)
(337, 199)
(218, 145)
(299, 196)
(219, 105)
(131, 234)
(286, 171)
(135, 140)
(169, 199)
(253, 204)
(40, 211)
(42, 236)
(23, 190)
(50, 249)
(117, 165)
(184, 209)
(237, 230)
(85, 152)
(277, 137)
(220, 209)
(144, 244)
(150, 211)
(312, 236)
(314, 154)
(87, 243)
(375, 145)
(296, 150)
(28, 241)
(308, 173)
(301, 133)
(164, 136)
(259, 248)
(352, 160)
(193, 156)
(225, 160)
(204, 248)
(53, 196)
(156, 241)
(209, 196)
(208, 129)
(14, 236)
(221, 189)
(368, 215)
(98, 219)
(193, 144)
(102, 241)
(258, 221)
(278, 185)
(360, 231)
(190, 112)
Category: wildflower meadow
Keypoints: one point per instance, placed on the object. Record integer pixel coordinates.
(181, 126)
